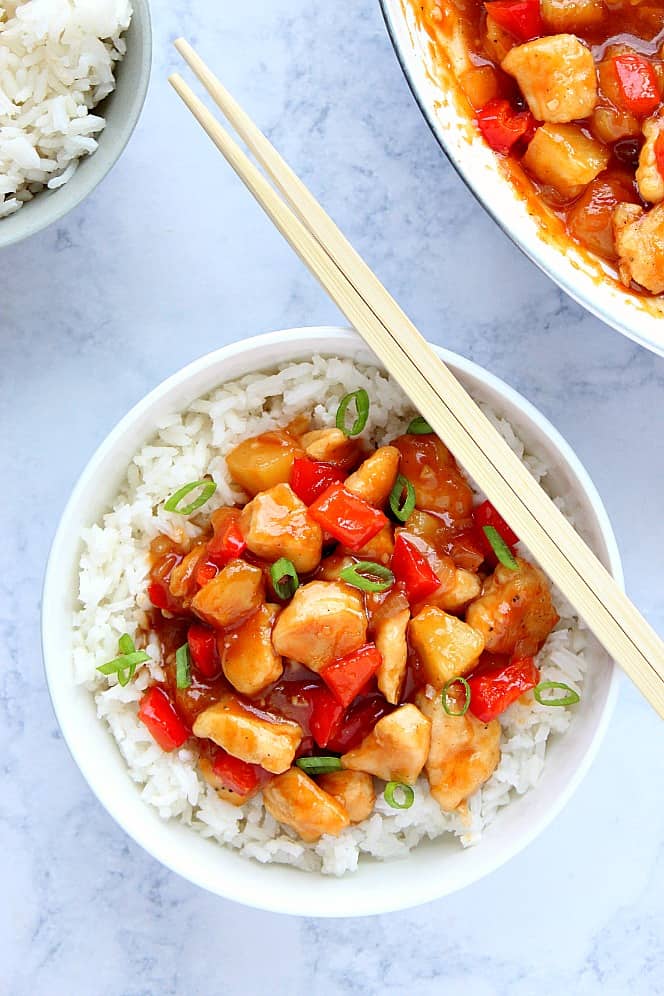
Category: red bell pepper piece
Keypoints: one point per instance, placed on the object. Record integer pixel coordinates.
(326, 715)
(500, 124)
(347, 518)
(203, 648)
(411, 567)
(637, 79)
(237, 775)
(204, 573)
(158, 595)
(158, 713)
(486, 515)
(358, 722)
(522, 18)
(494, 688)
(347, 676)
(226, 544)
(309, 478)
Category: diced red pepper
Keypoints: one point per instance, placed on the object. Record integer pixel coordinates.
(358, 722)
(494, 688)
(347, 676)
(158, 595)
(411, 567)
(310, 478)
(500, 124)
(348, 519)
(486, 515)
(237, 775)
(203, 648)
(659, 153)
(158, 713)
(637, 79)
(205, 572)
(522, 18)
(226, 544)
(326, 715)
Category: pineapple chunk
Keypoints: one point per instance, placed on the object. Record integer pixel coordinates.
(396, 749)
(572, 15)
(563, 157)
(263, 461)
(446, 646)
(556, 75)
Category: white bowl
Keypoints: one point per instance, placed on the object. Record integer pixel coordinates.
(435, 868)
(580, 273)
(122, 109)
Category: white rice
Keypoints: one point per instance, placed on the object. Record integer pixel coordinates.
(57, 62)
(113, 599)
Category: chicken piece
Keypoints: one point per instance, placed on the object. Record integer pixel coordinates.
(354, 790)
(228, 795)
(432, 470)
(563, 157)
(248, 658)
(181, 582)
(466, 586)
(639, 237)
(572, 15)
(276, 524)
(331, 567)
(446, 647)
(648, 177)
(497, 41)
(263, 461)
(390, 640)
(514, 613)
(323, 621)
(374, 478)
(272, 743)
(379, 549)
(610, 124)
(556, 75)
(331, 446)
(396, 749)
(464, 752)
(234, 594)
(480, 84)
(296, 800)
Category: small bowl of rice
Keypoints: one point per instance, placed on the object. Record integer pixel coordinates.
(96, 587)
(73, 80)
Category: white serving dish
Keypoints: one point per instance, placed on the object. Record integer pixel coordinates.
(435, 868)
(581, 274)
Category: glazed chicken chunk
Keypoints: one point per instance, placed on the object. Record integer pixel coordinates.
(276, 524)
(639, 238)
(354, 790)
(556, 75)
(245, 734)
(374, 478)
(648, 177)
(390, 640)
(296, 800)
(396, 749)
(325, 620)
(234, 594)
(248, 658)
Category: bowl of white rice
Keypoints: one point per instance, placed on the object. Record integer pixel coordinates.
(95, 588)
(73, 80)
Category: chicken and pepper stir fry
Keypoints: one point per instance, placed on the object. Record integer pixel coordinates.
(573, 90)
(359, 620)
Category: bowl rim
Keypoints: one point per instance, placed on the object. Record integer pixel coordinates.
(56, 208)
(268, 900)
(604, 314)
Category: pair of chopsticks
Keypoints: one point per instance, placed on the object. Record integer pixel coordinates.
(431, 387)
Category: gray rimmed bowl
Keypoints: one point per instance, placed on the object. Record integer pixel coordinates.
(122, 110)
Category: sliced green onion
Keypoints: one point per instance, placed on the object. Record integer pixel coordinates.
(284, 578)
(124, 666)
(126, 644)
(500, 548)
(174, 503)
(368, 576)
(571, 698)
(183, 666)
(362, 404)
(319, 765)
(405, 791)
(466, 704)
(419, 427)
(402, 505)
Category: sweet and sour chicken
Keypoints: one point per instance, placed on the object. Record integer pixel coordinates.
(361, 619)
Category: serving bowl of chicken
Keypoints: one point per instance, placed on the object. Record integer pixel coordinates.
(551, 112)
(290, 645)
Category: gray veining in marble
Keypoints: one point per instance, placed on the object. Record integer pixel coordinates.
(170, 258)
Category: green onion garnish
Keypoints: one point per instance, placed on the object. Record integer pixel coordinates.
(361, 399)
(368, 576)
(405, 791)
(183, 666)
(173, 504)
(466, 704)
(571, 698)
(500, 548)
(319, 765)
(419, 427)
(402, 505)
(125, 665)
(284, 578)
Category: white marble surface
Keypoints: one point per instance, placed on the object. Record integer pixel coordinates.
(169, 259)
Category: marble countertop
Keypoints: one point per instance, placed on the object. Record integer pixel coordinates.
(170, 258)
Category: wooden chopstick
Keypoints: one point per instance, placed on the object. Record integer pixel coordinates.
(433, 389)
